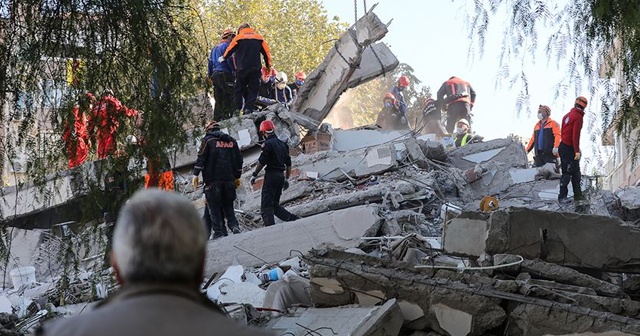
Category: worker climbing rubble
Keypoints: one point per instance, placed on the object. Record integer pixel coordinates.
(569, 151)
(221, 75)
(396, 91)
(458, 97)
(464, 135)
(267, 88)
(282, 92)
(247, 47)
(431, 122)
(220, 161)
(277, 163)
(104, 121)
(76, 137)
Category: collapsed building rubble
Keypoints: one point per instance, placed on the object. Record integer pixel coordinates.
(393, 240)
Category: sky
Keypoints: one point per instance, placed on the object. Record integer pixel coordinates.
(432, 36)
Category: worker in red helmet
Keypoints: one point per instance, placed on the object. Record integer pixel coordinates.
(545, 139)
(277, 163)
(569, 151)
(221, 75)
(458, 97)
(299, 79)
(76, 137)
(389, 116)
(220, 161)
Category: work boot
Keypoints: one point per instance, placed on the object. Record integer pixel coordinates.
(216, 236)
(579, 197)
(564, 200)
(236, 230)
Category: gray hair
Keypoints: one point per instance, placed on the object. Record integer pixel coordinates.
(159, 237)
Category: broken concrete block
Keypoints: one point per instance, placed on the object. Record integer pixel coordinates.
(242, 293)
(275, 243)
(571, 240)
(376, 59)
(464, 236)
(549, 171)
(332, 77)
(351, 140)
(453, 321)
(629, 203)
(505, 259)
(415, 153)
(385, 320)
(531, 319)
(505, 152)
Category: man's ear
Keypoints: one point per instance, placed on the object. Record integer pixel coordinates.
(114, 264)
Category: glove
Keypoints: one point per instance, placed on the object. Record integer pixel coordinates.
(221, 59)
(253, 180)
(286, 185)
(237, 183)
(195, 182)
(577, 156)
(554, 151)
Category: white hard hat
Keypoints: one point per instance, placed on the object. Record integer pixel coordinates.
(464, 121)
(282, 77)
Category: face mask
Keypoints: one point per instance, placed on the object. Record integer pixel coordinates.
(299, 82)
(400, 88)
(540, 116)
(459, 130)
(281, 85)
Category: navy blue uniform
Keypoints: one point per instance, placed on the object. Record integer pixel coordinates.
(220, 162)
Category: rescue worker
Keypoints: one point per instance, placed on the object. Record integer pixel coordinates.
(396, 91)
(267, 88)
(275, 157)
(247, 47)
(282, 92)
(569, 151)
(458, 97)
(432, 119)
(463, 134)
(76, 137)
(545, 139)
(220, 161)
(221, 74)
(389, 117)
(106, 116)
(299, 79)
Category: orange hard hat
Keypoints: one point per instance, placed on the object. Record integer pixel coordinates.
(267, 126)
(582, 102)
(301, 75)
(403, 81)
(212, 125)
(389, 96)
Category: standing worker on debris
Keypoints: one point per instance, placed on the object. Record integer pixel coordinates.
(275, 157)
(545, 138)
(75, 134)
(569, 150)
(159, 251)
(431, 119)
(282, 92)
(247, 47)
(458, 97)
(463, 134)
(221, 74)
(396, 91)
(220, 162)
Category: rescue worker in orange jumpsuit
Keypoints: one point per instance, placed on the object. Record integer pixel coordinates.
(246, 48)
(545, 139)
(76, 138)
(458, 96)
(569, 151)
(106, 116)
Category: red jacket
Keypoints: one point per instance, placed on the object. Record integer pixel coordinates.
(571, 127)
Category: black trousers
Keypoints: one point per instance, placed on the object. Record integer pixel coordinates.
(246, 89)
(220, 196)
(543, 158)
(223, 93)
(570, 172)
(270, 201)
(455, 112)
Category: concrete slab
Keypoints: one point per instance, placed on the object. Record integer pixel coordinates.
(504, 153)
(275, 243)
(523, 175)
(350, 140)
(385, 320)
(464, 236)
(376, 59)
(355, 164)
(483, 156)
